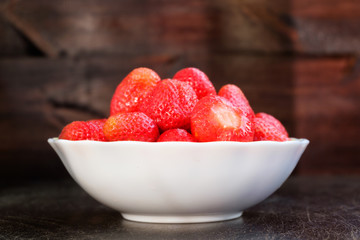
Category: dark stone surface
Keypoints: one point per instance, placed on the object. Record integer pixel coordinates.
(303, 208)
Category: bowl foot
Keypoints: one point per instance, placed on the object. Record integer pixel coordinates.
(181, 218)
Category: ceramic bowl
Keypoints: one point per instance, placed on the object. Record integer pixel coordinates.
(179, 182)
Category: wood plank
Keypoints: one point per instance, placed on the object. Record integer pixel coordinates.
(110, 27)
(51, 93)
(316, 98)
(32, 34)
(326, 9)
(39, 96)
(11, 44)
(327, 101)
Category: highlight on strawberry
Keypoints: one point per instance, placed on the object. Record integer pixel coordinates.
(183, 108)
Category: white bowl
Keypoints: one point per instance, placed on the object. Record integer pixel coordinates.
(179, 182)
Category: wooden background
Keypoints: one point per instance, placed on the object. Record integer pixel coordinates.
(61, 60)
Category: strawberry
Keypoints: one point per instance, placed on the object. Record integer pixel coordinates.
(273, 120)
(176, 135)
(96, 128)
(216, 119)
(268, 128)
(81, 130)
(198, 80)
(233, 94)
(170, 104)
(133, 126)
(132, 90)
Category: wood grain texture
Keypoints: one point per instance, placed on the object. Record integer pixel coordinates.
(63, 90)
(110, 27)
(66, 27)
(39, 96)
(327, 103)
(316, 99)
(11, 43)
(61, 60)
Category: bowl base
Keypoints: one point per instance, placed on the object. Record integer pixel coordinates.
(181, 218)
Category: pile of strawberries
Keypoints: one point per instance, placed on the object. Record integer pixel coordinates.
(184, 108)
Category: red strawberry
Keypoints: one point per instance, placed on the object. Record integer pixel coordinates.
(233, 94)
(134, 126)
(81, 130)
(268, 128)
(96, 127)
(132, 90)
(198, 80)
(216, 119)
(271, 119)
(170, 104)
(176, 135)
